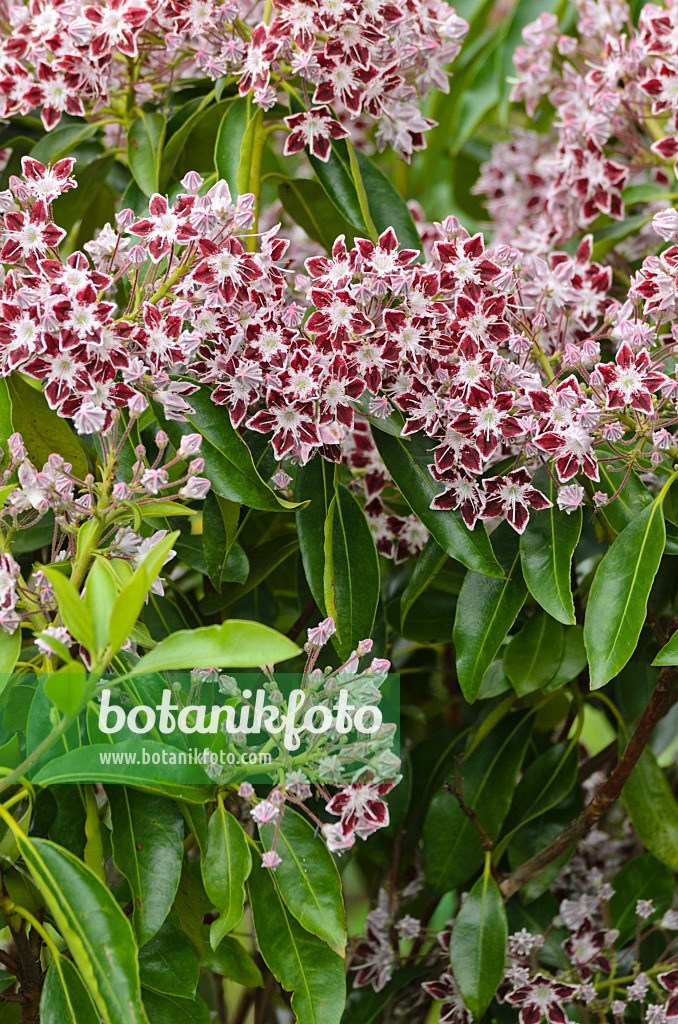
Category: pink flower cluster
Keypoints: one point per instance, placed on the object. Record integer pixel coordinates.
(370, 59)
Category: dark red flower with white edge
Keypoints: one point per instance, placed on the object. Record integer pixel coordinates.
(488, 421)
(313, 128)
(29, 234)
(361, 807)
(384, 259)
(116, 25)
(292, 424)
(452, 1009)
(462, 492)
(542, 997)
(573, 451)
(44, 182)
(632, 381)
(61, 92)
(669, 980)
(228, 266)
(336, 317)
(585, 950)
(511, 497)
(375, 958)
(163, 229)
(468, 259)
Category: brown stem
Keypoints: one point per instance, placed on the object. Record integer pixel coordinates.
(302, 621)
(661, 699)
(30, 975)
(457, 792)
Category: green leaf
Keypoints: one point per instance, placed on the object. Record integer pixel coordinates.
(57, 144)
(546, 782)
(131, 599)
(230, 138)
(428, 565)
(316, 488)
(190, 906)
(97, 933)
(606, 238)
(486, 610)
(43, 432)
(336, 179)
(148, 848)
(192, 114)
(632, 494)
(387, 206)
(72, 608)
(533, 656)
(64, 999)
(452, 847)
(71, 207)
(643, 878)
(10, 649)
(351, 573)
(653, 809)
(99, 596)
(307, 204)
(546, 550)
(145, 137)
(302, 963)
(236, 643)
(162, 1009)
(223, 557)
(407, 461)
(617, 603)
(123, 763)
(228, 461)
(307, 878)
(168, 963)
(478, 945)
(69, 688)
(225, 866)
(231, 960)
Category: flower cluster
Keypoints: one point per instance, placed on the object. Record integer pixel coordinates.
(370, 60)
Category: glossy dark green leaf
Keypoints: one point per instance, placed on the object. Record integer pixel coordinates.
(125, 765)
(263, 560)
(478, 945)
(191, 906)
(546, 550)
(57, 144)
(235, 643)
(407, 461)
(632, 496)
(178, 136)
(546, 782)
(315, 485)
(452, 847)
(428, 565)
(64, 999)
(163, 1009)
(643, 878)
(302, 963)
(228, 461)
(336, 179)
(231, 960)
(486, 610)
(97, 933)
(230, 137)
(653, 809)
(307, 878)
(168, 963)
(226, 866)
(606, 238)
(573, 660)
(387, 206)
(533, 656)
(43, 432)
(617, 603)
(351, 573)
(306, 202)
(224, 558)
(148, 848)
(144, 150)
(70, 207)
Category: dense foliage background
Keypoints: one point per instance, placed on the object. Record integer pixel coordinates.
(338, 338)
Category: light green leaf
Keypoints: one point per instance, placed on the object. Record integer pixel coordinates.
(64, 999)
(72, 608)
(653, 809)
(236, 643)
(231, 960)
